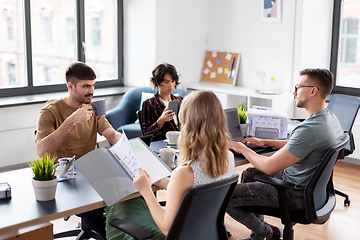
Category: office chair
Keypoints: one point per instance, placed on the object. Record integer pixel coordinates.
(81, 233)
(345, 109)
(200, 215)
(319, 195)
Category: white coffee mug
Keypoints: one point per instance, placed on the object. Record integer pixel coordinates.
(172, 137)
(168, 156)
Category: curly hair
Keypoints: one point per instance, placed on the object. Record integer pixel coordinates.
(159, 72)
(204, 136)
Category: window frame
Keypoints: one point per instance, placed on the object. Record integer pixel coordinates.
(30, 89)
(335, 41)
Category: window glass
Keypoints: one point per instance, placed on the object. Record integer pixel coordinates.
(348, 69)
(51, 32)
(12, 59)
(101, 37)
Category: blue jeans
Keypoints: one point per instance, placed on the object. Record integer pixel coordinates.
(95, 220)
(251, 193)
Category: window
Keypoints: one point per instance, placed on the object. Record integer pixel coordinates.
(95, 24)
(345, 52)
(11, 70)
(50, 35)
(10, 29)
(70, 31)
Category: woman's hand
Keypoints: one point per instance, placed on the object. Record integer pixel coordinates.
(166, 116)
(142, 181)
(254, 141)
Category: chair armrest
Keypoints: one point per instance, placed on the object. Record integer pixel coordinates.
(131, 229)
(277, 183)
(281, 187)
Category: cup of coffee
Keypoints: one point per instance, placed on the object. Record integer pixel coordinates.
(172, 137)
(168, 156)
(99, 106)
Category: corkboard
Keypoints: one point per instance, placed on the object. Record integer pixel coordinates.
(220, 67)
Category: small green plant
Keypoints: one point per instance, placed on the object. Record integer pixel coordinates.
(242, 111)
(44, 168)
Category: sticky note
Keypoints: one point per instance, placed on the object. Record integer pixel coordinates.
(228, 56)
(209, 63)
(220, 70)
(214, 54)
(213, 75)
(206, 71)
(226, 71)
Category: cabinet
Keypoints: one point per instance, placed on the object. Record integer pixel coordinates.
(232, 96)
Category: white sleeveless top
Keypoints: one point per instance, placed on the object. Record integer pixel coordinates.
(200, 178)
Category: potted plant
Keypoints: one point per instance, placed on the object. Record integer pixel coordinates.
(242, 111)
(44, 180)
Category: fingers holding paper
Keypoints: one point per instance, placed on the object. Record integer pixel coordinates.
(142, 180)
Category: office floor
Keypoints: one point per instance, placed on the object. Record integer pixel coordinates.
(343, 223)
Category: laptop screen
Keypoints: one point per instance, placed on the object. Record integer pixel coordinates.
(233, 123)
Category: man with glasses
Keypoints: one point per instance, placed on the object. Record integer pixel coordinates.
(296, 159)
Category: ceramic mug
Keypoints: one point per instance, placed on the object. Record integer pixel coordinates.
(172, 137)
(99, 106)
(168, 156)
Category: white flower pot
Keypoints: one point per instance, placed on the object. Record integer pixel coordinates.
(244, 128)
(45, 190)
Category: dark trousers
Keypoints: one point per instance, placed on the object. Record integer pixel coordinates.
(95, 220)
(250, 193)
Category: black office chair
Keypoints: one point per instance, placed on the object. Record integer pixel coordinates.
(80, 233)
(345, 108)
(200, 215)
(319, 195)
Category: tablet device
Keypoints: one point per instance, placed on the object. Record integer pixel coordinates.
(174, 105)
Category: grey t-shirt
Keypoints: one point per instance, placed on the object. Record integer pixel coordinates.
(310, 141)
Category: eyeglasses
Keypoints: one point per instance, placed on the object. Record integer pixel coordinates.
(300, 86)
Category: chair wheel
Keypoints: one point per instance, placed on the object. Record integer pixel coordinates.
(346, 202)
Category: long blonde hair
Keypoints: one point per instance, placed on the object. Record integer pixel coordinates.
(204, 135)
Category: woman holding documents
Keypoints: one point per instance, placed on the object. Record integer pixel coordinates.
(156, 118)
(204, 158)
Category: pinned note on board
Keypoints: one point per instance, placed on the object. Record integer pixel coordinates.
(220, 67)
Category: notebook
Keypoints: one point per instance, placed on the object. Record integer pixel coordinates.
(235, 130)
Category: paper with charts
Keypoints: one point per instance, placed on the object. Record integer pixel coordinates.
(107, 175)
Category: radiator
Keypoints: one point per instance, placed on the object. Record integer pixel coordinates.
(17, 147)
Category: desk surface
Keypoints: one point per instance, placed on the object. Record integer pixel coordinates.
(22, 210)
(156, 146)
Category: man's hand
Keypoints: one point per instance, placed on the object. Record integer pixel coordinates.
(237, 146)
(254, 141)
(82, 114)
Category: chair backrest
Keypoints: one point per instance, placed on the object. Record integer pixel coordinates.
(319, 192)
(345, 109)
(202, 210)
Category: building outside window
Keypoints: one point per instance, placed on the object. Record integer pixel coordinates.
(76, 26)
(10, 29)
(11, 71)
(345, 53)
(95, 23)
(70, 31)
(48, 34)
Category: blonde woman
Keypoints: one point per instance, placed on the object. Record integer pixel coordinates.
(204, 156)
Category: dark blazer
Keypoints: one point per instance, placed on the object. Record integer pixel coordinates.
(151, 112)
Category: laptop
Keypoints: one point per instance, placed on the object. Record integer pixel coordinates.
(235, 130)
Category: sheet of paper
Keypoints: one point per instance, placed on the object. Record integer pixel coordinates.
(123, 151)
